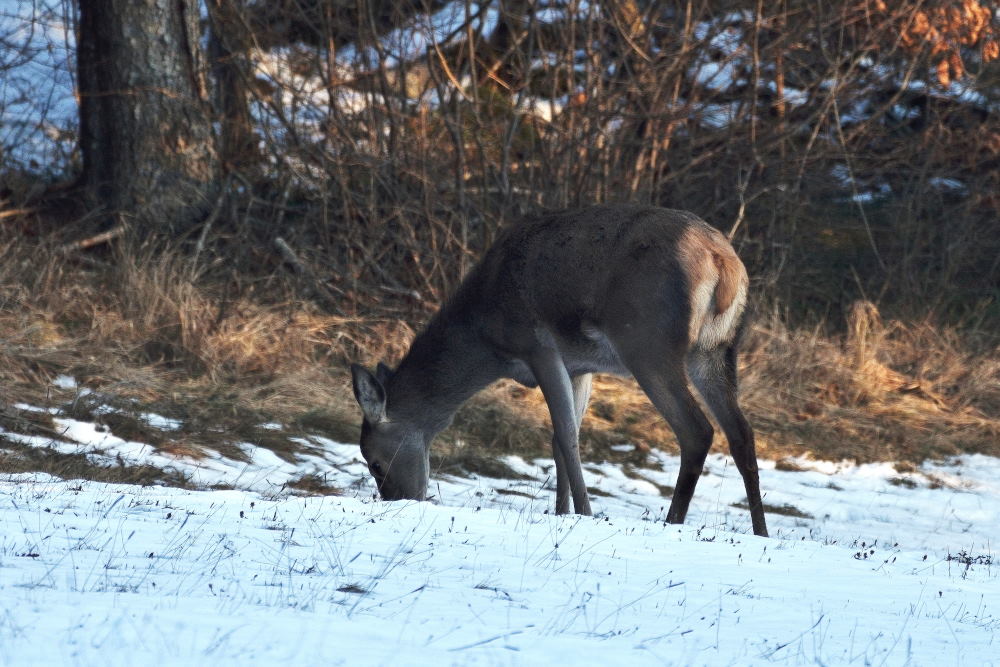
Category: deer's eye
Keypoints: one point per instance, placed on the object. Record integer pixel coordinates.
(376, 469)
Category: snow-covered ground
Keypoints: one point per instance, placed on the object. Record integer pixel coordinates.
(866, 565)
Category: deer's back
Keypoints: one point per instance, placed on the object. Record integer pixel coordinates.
(575, 274)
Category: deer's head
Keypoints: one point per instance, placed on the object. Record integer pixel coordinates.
(397, 452)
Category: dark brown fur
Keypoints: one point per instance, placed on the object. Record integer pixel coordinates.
(616, 289)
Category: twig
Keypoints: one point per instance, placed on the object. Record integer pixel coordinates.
(447, 71)
(487, 640)
(741, 189)
(289, 256)
(207, 224)
(14, 212)
(89, 261)
(405, 291)
(854, 185)
(322, 291)
(97, 239)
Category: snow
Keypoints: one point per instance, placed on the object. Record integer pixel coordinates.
(65, 382)
(161, 422)
(867, 564)
(128, 575)
(37, 108)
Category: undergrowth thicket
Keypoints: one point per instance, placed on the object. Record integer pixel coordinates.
(139, 328)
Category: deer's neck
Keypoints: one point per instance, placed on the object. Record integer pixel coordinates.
(447, 364)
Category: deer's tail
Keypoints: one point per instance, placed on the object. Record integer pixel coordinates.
(718, 282)
(732, 276)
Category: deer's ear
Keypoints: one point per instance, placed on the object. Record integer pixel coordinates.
(369, 393)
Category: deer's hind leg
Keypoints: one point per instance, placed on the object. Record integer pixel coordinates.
(713, 373)
(658, 366)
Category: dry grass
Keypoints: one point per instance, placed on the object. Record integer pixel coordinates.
(313, 485)
(16, 458)
(883, 391)
(144, 332)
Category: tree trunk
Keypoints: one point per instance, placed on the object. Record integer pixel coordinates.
(145, 125)
(227, 45)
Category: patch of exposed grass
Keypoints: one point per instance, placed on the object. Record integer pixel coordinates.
(313, 485)
(786, 510)
(353, 588)
(336, 426)
(462, 461)
(131, 427)
(504, 419)
(632, 472)
(515, 492)
(29, 422)
(18, 458)
(788, 465)
(967, 559)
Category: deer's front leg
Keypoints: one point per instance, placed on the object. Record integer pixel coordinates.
(581, 397)
(554, 380)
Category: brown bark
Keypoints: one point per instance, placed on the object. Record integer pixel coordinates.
(227, 46)
(145, 127)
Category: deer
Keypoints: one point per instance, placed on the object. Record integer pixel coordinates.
(653, 293)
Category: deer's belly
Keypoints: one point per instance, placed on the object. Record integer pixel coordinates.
(590, 352)
(587, 352)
